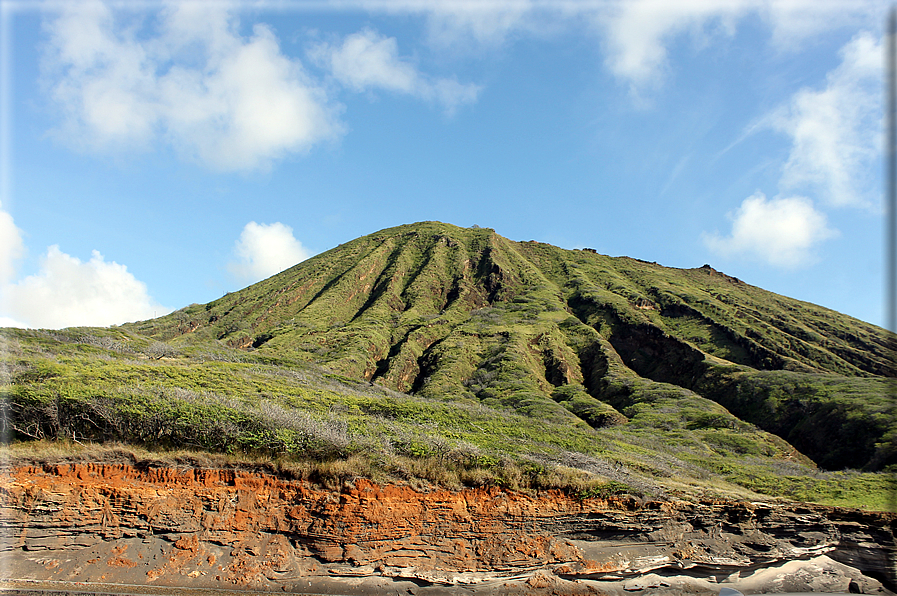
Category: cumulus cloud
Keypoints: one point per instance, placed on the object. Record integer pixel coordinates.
(265, 249)
(11, 247)
(783, 231)
(835, 153)
(483, 24)
(67, 293)
(10, 322)
(794, 21)
(637, 33)
(231, 102)
(835, 131)
(367, 60)
(239, 103)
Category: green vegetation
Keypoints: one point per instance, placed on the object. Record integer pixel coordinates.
(430, 353)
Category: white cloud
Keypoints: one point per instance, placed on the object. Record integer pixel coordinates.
(368, 60)
(637, 33)
(793, 21)
(482, 24)
(11, 247)
(231, 102)
(470, 26)
(835, 131)
(107, 82)
(782, 231)
(835, 154)
(239, 103)
(9, 322)
(68, 293)
(265, 249)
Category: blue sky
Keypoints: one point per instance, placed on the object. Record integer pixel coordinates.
(157, 154)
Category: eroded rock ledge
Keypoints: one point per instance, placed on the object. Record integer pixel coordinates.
(223, 528)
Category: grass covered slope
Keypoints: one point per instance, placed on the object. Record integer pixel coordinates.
(458, 350)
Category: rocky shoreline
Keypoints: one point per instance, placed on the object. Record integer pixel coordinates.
(101, 525)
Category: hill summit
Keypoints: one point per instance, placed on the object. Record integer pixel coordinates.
(570, 337)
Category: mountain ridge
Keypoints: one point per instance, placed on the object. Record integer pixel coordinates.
(463, 313)
(493, 279)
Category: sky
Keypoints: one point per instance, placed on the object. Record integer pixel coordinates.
(159, 154)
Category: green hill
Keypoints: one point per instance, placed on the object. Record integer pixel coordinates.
(459, 356)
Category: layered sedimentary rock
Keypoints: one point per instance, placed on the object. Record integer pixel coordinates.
(228, 528)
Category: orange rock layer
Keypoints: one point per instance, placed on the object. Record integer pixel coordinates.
(208, 528)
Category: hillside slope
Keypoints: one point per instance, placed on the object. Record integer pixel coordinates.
(571, 337)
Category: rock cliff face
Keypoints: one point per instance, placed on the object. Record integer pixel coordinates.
(117, 524)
